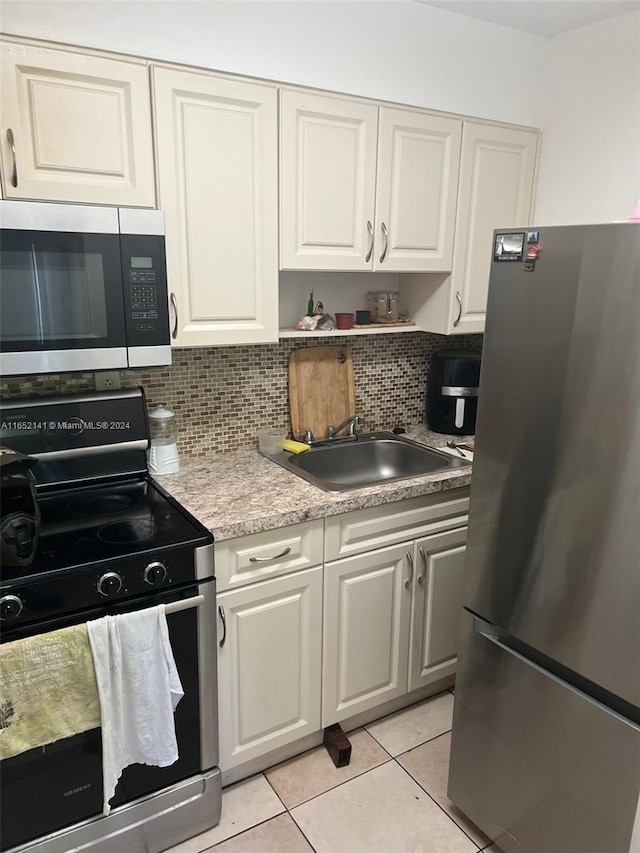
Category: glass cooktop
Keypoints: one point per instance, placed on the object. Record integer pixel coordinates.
(87, 524)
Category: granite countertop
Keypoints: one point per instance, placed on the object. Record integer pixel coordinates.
(242, 492)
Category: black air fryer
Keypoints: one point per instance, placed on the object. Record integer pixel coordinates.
(452, 392)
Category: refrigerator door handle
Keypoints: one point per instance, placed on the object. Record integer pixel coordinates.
(496, 636)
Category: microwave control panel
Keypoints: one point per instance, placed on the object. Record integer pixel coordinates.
(144, 265)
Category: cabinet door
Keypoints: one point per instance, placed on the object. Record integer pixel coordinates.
(327, 182)
(496, 189)
(269, 665)
(417, 183)
(217, 178)
(437, 606)
(81, 127)
(367, 602)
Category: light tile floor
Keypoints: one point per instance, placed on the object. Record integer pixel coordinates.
(391, 798)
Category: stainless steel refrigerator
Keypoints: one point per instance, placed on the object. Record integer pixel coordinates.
(546, 733)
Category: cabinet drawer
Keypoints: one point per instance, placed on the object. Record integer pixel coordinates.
(366, 529)
(267, 555)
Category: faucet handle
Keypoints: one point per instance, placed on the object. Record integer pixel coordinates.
(356, 423)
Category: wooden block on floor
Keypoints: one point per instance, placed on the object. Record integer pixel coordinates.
(338, 745)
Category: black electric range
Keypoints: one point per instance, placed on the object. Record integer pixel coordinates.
(110, 541)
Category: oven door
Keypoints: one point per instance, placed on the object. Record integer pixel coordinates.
(60, 288)
(56, 786)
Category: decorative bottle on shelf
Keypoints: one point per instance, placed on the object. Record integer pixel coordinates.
(162, 456)
(310, 305)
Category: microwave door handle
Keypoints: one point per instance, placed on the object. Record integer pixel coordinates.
(37, 292)
(174, 305)
(459, 412)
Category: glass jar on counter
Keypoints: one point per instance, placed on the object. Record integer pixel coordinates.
(163, 453)
(383, 305)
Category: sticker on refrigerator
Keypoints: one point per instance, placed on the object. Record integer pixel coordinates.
(509, 247)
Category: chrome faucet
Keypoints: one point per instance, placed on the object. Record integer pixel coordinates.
(352, 422)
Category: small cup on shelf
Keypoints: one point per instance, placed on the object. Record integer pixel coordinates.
(344, 321)
(363, 318)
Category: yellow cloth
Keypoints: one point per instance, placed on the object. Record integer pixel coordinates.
(47, 689)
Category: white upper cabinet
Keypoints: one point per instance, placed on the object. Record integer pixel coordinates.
(365, 187)
(327, 182)
(75, 127)
(496, 190)
(216, 148)
(417, 181)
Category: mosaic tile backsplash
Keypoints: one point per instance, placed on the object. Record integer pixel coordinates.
(223, 395)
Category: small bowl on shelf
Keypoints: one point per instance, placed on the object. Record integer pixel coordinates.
(363, 318)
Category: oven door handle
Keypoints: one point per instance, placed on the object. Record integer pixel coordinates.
(185, 604)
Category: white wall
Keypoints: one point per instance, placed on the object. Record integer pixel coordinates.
(400, 51)
(590, 165)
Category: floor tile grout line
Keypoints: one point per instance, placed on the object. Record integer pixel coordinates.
(340, 784)
(302, 832)
(264, 774)
(444, 811)
(417, 746)
(243, 831)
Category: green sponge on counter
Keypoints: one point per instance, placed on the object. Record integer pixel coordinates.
(294, 446)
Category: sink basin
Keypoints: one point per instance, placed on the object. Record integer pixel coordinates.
(374, 458)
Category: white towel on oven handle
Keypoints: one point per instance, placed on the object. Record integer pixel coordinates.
(139, 689)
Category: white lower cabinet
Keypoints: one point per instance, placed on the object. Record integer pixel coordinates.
(302, 645)
(269, 665)
(390, 622)
(436, 606)
(366, 630)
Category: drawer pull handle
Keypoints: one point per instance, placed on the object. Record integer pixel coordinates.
(407, 583)
(224, 626)
(423, 556)
(268, 559)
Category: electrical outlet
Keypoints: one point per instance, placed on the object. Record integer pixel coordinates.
(107, 380)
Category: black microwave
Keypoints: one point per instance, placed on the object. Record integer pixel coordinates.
(81, 288)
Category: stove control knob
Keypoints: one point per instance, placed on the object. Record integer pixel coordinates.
(110, 584)
(155, 573)
(11, 606)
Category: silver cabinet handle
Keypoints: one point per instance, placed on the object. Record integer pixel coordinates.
(12, 143)
(407, 583)
(267, 559)
(459, 317)
(224, 626)
(174, 305)
(370, 230)
(385, 234)
(423, 557)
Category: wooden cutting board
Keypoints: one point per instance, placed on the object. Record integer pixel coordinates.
(321, 389)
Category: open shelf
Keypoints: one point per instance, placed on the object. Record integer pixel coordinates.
(334, 333)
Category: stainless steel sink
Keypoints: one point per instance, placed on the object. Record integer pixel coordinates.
(371, 459)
